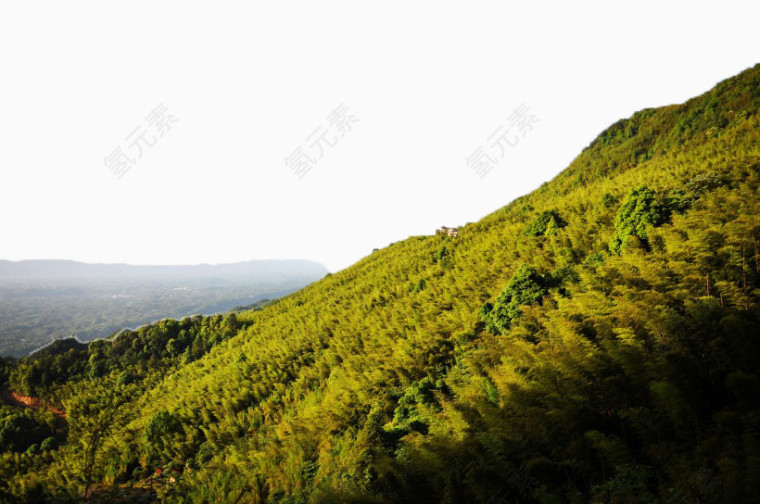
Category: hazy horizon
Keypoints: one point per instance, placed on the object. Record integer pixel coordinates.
(159, 265)
(177, 149)
(44, 300)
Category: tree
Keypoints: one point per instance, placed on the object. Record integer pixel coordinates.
(640, 210)
(526, 287)
(172, 348)
(93, 415)
(161, 425)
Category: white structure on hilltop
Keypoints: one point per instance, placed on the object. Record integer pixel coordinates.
(447, 231)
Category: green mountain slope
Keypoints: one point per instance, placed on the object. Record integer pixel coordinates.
(593, 341)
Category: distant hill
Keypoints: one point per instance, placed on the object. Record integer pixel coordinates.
(45, 300)
(52, 271)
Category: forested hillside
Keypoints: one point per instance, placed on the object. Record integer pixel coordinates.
(593, 341)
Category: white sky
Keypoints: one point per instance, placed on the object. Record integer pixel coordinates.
(247, 83)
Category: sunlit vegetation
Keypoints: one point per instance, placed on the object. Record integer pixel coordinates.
(593, 341)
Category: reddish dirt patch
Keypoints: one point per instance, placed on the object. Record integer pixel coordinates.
(35, 403)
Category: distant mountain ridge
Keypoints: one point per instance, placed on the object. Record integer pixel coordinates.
(43, 300)
(51, 270)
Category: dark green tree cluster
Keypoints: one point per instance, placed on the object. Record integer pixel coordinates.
(22, 430)
(546, 224)
(165, 343)
(526, 287)
(640, 211)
